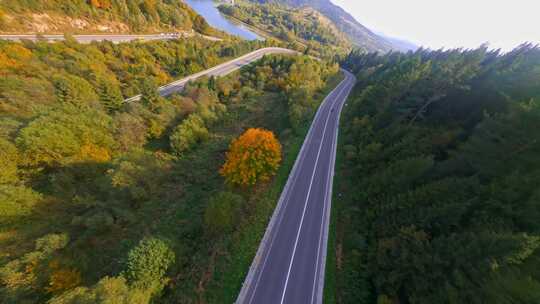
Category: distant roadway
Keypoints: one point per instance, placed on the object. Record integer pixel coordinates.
(116, 38)
(290, 263)
(219, 70)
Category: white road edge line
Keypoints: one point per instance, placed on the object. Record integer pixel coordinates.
(319, 243)
(322, 271)
(246, 285)
(301, 157)
(306, 203)
(327, 199)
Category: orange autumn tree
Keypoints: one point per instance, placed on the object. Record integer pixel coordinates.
(101, 3)
(253, 157)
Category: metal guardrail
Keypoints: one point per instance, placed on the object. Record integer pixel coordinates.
(219, 70)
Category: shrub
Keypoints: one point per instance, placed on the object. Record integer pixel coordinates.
(107, 291)
(140, 173)
(187, 134)
(8, 162)
(59, 136)
(148, 262)
(20, 277)
(76, 90)
(221, 214)
(52, 242)
(149, 94)
(130, 131)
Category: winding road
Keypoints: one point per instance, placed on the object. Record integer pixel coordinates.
(290, 264)
(218, 71)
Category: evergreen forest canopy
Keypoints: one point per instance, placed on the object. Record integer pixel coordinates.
(92, 16)
(440, 175)
(103, 201)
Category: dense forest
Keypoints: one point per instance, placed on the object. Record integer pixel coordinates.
(112, 202)
(93, 16)
(303, 27)
(439, 179)
(38, 74)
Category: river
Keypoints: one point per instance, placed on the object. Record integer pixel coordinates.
(208, 9)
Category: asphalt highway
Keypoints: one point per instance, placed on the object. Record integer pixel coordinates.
(218, 71)
(89, 38)
(290, 263)
(115, 38)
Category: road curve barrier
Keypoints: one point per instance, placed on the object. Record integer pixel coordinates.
(219, 70)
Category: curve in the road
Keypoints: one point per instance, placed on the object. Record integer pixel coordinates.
(290, 263)
(294, 246)
(218, 71)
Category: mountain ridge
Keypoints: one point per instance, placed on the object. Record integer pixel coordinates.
(359, 35)
(304, 28)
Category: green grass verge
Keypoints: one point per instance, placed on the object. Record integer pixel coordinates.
(346, 278)
(330, 277)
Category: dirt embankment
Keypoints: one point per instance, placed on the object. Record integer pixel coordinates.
(47, 23)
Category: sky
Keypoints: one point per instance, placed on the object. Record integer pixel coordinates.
(451, 23)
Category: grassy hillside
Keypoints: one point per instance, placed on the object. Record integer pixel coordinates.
(99, 16)
(358, 34)
(305, 27)
(440, 176)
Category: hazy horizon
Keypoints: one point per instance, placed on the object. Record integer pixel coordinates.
(459, 23)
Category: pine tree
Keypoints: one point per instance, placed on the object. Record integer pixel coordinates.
(110, 96)
(149, 94)
(212, 83)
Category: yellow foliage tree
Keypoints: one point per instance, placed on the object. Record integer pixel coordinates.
(91, 152)
(13, 57)
(254, 156)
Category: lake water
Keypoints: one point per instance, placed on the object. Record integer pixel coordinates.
(208, 9)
